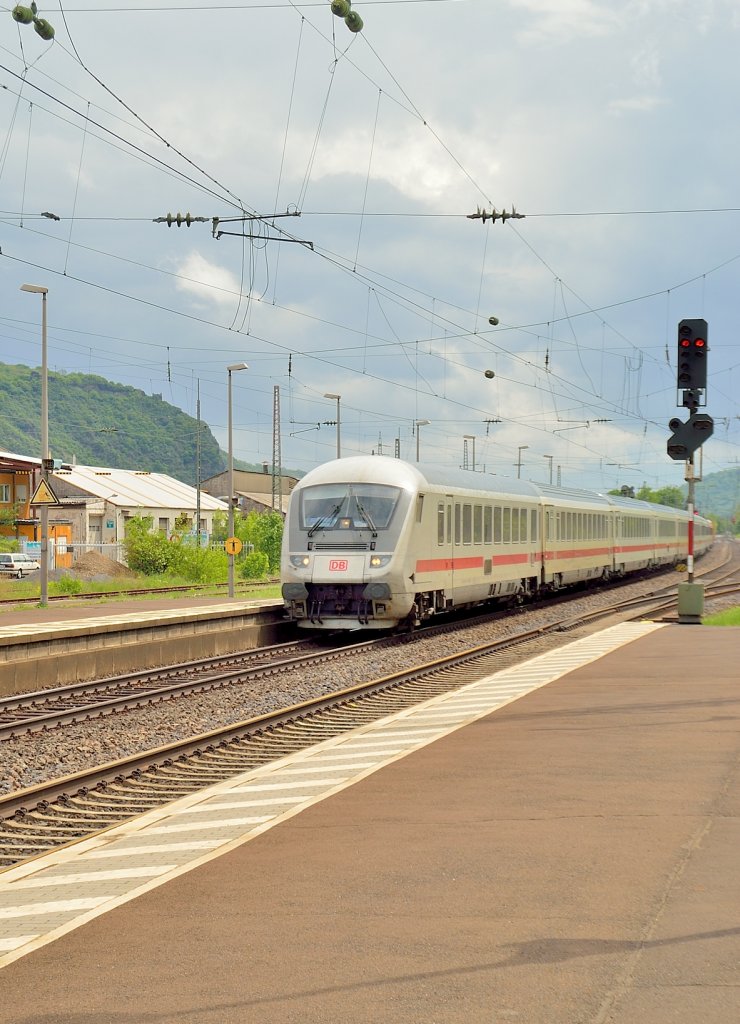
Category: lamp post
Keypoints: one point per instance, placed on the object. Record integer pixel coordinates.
(232, 369)
(419, 423)
(522, 448)
(42, 291)
(337, 399)
(550, 457)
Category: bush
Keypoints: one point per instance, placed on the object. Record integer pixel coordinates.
(68, 585)
(254, 566)
(200, 565)
(154, 555)
(146, 552)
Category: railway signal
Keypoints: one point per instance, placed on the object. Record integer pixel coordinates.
(693, 346)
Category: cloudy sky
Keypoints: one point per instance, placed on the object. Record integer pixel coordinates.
(611, 127)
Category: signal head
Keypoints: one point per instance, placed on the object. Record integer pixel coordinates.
(692, 349)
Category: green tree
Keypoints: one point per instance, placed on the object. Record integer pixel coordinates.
(146, 552)
(671, 496)
(264, 532)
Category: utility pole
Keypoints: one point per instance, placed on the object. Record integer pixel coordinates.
(197, 466)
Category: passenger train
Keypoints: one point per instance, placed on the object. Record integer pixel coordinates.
(372, 542)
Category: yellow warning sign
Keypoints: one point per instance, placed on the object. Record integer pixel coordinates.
(233, 546)
(44, 495)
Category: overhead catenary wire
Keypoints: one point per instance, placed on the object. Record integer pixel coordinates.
(566, 318)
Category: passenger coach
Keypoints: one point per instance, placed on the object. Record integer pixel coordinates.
(373, 542)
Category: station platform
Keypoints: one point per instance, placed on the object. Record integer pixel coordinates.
(554, 844)
(51, 646)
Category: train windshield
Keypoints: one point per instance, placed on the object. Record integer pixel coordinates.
(348, 506)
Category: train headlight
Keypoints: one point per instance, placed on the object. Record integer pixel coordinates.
(377, 561)
(300, 561)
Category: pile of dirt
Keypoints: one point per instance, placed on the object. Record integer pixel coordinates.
(93, 565)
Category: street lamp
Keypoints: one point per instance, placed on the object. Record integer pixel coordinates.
(40, 290)
(337, 399)
(420, 423)
(232, 369)
(522, 448)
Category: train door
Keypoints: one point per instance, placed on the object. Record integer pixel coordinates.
(449, 547)
(618, 544)
(441, 583)
(547, 540)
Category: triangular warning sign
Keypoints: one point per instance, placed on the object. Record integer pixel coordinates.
(44, 495)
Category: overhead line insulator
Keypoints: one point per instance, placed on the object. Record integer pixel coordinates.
(493, 215)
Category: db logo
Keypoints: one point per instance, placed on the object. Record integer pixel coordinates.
(338, 565)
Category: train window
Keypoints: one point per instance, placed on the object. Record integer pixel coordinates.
(347, 505)
(419, 507)
(533, 525)
(507, 526)
(458, 522)
(477, 524)
(467, 523)
(523, 525)
(497, 525)
(449, 524)
(515, 526)
(487, 524)
(440, 524)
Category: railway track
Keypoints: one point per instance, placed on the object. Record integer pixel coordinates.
(65, 810)
(101, 595)
(55, 707)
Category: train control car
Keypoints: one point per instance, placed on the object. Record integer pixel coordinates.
(372, 542)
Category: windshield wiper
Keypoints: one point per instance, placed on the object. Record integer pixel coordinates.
(366, 516)
(325, 519)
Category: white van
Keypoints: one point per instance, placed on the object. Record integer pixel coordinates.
(18, 565)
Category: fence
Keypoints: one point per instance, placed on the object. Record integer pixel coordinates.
(64, 556)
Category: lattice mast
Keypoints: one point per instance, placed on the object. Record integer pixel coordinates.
(277, 480)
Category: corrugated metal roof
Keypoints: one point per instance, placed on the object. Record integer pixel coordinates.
(262, 498)
(26, 460)
(127, 488)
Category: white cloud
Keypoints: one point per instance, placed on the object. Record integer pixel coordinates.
(565, 20)
(636, 103)
(206, 282)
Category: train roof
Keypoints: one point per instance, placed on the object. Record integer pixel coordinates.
(388, 470)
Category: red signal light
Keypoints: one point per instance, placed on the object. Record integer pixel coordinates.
(685, 343)
(699, 343)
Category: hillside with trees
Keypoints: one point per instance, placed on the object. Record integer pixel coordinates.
(99, 423)
(717, 495)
